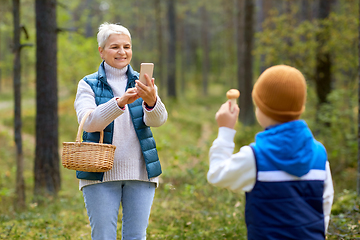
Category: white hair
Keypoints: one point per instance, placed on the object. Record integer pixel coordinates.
(106, 29)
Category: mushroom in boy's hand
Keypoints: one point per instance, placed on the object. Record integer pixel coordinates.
(232, 95)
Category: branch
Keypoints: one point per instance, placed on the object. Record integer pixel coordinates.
(66, 30)
(22, 27)
(63, 5)
(26, 45)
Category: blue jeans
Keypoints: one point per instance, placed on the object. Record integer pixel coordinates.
(102, 202)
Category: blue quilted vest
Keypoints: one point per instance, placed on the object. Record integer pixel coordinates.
(287, 199)
(103, 93)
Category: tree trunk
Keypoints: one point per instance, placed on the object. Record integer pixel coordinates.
(245, 74)
(264, 7)
(205, 48)
(0, 62)
(0, 76)
(90, 14)
(305, 10)
(358, 173)
(20, 183)
(47, 175)
(159, 68)
(323, 59)
(183, 47)
(171, 71)
(240, 44)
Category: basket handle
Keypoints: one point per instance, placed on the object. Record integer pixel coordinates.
(78, 136)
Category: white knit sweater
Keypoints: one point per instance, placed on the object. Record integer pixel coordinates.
(129, 163)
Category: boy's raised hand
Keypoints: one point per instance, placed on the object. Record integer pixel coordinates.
(226, 118)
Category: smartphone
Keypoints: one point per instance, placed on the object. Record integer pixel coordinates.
(147, 68)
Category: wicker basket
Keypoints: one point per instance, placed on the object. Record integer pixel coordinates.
(87, 156)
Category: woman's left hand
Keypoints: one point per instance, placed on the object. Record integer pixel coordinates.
(147, 92)
(128, 97)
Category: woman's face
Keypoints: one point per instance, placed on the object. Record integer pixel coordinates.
(117, 51)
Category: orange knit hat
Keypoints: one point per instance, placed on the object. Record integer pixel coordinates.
(280, 93)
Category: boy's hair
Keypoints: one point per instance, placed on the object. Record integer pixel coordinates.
(280, 93)
(106, 29)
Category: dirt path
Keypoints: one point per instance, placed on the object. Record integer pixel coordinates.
(8, 105)
(205, 135)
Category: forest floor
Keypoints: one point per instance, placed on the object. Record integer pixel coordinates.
(185, 205)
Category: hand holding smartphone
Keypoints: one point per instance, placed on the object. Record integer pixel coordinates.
(147, 68)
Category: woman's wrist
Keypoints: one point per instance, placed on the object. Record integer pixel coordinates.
(119, 103)
(149, 108)
(151, 104)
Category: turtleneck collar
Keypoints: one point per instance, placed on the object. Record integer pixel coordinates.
(115, 73)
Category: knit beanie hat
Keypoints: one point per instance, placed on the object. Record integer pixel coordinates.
(280, 93)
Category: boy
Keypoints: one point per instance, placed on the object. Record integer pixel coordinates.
(285, 172)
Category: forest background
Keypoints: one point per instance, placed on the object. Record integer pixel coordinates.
(200, 50)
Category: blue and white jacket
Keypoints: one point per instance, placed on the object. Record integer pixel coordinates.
(286, 177)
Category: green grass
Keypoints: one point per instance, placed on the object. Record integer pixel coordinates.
(185, 205)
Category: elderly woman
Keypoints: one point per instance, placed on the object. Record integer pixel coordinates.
(125, 109)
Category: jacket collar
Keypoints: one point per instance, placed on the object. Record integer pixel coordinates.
(102, 74)
(131, 74)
